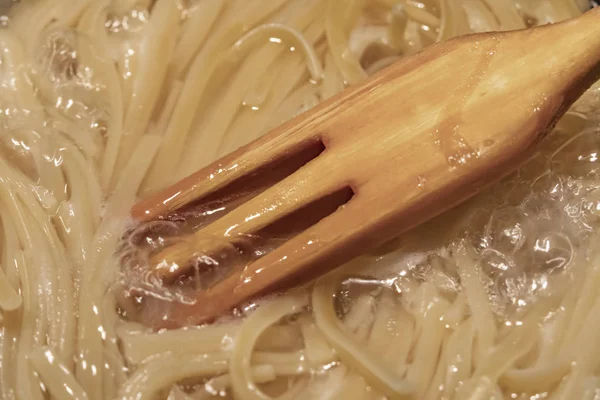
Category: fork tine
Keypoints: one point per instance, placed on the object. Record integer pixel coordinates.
(242, 162)
(302, 188)
(319, 246)
(296, 259)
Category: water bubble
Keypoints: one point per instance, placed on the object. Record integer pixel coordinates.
(508, 229)
(551, 252)
(510, 292)
(495, 264)
(580, 156)
(129, 20)
(549, 185)
(590, 206)
(535, 167)
(214, 259)
(473, 229)
(68, 75)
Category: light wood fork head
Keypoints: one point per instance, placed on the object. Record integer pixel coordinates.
(412, 141)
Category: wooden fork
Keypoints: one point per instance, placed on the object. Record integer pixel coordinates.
(412, 141)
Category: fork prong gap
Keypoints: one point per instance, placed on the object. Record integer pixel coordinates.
(308, 215)
(253, 184)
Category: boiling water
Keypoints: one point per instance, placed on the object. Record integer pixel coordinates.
(495, 299)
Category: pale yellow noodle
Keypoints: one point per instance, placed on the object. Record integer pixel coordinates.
(169, 106)
(458, 358)
(503, 355)
(586, 355)
(127, 66)
(557, 329)
(250, 124)
(435, 386)
(57, 377)
(29, 330)
(194, 33)
(337, 38)
(48, 176)
(584, 302)
(397, 28)
(45, 14)
(10, 333)
(91, 365)
(116, 363)
(164, 370)
(506, 13)
(258, 93)
(427, 348)
(483, 318)
(536, 379)
(260, 320)
(155, 49)
(421, 15)
(279, 338)
(350, 14)
(480, 17)
(546, 11)
(68, 13)
(333, 81)
(457, 312)
(401, 345)
(196, 80)
(454, 20)
(217, 122)
(86, 140)
(365, 37)
(259, 374)
(318, 351)
(348, 351)
(353, 386)
(76, 215)
(176, 393)
(413, 40)
(288, 363)
(381, 64)
(327, 387)
(483, 388)
(400, 330)
(293, 104)
(13, 59)
(10, 300)
(47, 246)
(385, 326)
(139, 346)
(360, 317)
(97, 15)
